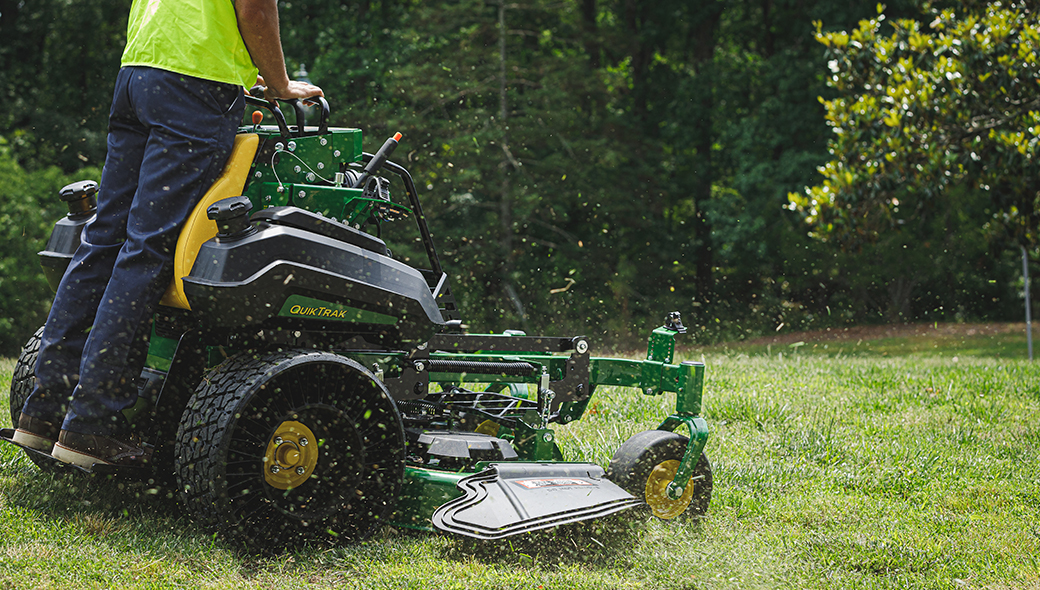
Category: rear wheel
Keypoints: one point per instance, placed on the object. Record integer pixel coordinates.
(646, 463)
(293, 446)
(22, 384)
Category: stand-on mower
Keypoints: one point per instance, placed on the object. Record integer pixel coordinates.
(305, 383)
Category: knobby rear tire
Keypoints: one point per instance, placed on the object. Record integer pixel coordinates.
(22, 384)
(227, 433)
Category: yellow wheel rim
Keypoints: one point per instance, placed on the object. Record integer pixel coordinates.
(488, 427)
(657, 491)
(292, 454)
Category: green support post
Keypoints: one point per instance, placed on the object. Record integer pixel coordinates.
(687, 408)
(690, 382)
(662, 345)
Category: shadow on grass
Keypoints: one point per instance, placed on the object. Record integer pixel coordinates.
(605, 542)
(65, 495)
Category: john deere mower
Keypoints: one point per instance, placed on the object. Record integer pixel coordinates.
(304, 382)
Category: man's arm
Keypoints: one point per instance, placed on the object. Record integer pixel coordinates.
(258, 23)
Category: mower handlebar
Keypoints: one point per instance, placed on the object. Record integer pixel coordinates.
(255, 98)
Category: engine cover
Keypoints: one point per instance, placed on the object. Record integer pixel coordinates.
(289, 276)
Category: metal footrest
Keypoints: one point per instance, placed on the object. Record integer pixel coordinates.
(7, 434)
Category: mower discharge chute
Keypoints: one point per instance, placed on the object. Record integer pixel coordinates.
(304, 383)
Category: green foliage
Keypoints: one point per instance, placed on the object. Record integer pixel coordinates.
(57, 69)
(587, 167)
(922, 108)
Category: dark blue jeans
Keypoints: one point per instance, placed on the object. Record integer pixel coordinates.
(169, 137)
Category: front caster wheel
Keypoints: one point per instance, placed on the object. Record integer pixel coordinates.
(646, 463)
(294, 446)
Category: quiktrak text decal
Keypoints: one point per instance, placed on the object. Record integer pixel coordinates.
(297, 306)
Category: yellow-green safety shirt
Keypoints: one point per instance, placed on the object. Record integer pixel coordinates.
(198, 38)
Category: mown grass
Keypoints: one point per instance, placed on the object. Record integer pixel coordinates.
(1007, 341)
(917, 471)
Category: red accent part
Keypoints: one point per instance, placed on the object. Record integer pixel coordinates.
(258, 117)
(397, 137)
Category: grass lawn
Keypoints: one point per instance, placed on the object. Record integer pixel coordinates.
(1007, 341)
(909, 463)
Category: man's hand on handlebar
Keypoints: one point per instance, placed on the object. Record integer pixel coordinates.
(295, 89)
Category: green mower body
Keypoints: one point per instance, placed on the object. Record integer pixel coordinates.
(315, 386)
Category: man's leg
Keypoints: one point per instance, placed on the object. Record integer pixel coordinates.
(191, 125)
(80, 291)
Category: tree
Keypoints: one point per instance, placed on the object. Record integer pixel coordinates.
(586, 166)
(58, 63)
(922, 108)
(488, 101)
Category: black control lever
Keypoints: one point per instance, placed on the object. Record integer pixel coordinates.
(377, 160)
(301, 116)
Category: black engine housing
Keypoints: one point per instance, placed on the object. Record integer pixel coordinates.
(302, 270)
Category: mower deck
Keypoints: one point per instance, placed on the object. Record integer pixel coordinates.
(512, 498)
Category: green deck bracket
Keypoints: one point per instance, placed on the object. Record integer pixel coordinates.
(160, 352)
(650, 377)
(698, 437)
(537, 445)
(572, 411)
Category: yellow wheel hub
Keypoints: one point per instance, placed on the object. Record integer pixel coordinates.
(657, 491)
(488, 427)
(292, 454)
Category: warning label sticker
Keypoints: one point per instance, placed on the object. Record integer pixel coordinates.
(551, 483)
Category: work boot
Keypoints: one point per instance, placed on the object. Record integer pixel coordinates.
(87, 450)
(36, 433)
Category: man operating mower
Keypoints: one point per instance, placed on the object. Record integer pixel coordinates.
(177, 104)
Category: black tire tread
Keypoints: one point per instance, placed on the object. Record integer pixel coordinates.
(203, 440)
(207, 416)
(24, 379)
(22, 384)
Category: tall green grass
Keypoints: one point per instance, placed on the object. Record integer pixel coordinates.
(917, 471)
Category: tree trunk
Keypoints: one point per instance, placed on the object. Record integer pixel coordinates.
(1029, 310)
(590, 33)
(768, 36)
(900, 290)
(505, 205)
(641, 54)
(702, 46)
